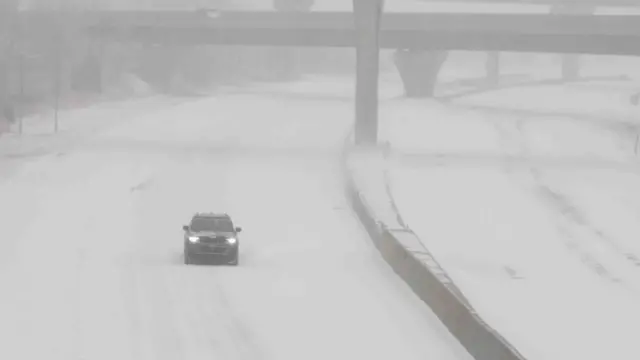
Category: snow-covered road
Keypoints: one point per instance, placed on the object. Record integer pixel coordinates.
(530, 199)
(91, 239)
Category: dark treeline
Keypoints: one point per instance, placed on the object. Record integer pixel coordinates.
(57, 61)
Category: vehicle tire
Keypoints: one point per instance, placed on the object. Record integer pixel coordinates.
(187, 259)
(235, 260)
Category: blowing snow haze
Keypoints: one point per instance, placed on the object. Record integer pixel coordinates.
(285, 180)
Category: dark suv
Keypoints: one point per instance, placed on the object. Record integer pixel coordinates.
(211, 236)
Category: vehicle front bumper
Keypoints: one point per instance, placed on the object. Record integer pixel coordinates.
(211, 250)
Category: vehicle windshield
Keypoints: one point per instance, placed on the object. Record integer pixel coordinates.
(211, 224)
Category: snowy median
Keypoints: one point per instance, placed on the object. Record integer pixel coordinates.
(369, 195)
(528, 199)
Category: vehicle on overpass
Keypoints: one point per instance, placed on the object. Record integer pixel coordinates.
(211, 237)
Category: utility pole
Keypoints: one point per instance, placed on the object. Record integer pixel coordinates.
(367, 14)
(57, 53)
(8, 24)
(57, 93)
(21, 101)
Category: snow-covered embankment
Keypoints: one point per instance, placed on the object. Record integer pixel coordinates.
(408, 257)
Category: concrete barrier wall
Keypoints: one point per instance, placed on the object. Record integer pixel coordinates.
(404, 252)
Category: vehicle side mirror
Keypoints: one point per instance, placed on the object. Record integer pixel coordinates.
(185, 227)
(238, 229)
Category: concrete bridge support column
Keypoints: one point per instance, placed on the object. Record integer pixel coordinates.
(492, 67)
(571, 62)
(419, 71)
(367, 14)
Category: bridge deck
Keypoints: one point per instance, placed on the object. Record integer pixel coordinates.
(605, 34)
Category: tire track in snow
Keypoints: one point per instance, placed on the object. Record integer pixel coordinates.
(243, 338)
(514, 141)
(561, 205)
(570, 211)
(508, 131)
(572, 223)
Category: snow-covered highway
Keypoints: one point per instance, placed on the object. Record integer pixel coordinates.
(528, 198)
(91, 240)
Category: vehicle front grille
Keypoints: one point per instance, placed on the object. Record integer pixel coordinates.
(213, 240)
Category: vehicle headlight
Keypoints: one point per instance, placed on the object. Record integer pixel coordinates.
(193, 239)
(232, 240)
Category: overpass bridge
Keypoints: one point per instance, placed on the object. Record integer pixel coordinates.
(606, 34)
(366, 28)
(577, 3)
